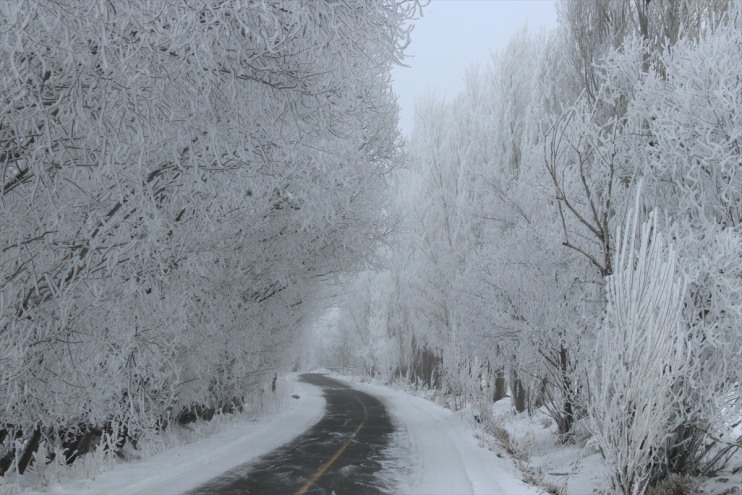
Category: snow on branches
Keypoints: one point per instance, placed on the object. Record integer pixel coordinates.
(639, 356)
(178, 180)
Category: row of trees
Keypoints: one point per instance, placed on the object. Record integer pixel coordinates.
(573, 232)
(180, 181)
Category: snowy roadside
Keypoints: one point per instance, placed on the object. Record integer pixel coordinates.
(517, 454)
(182, 468)
(525, 458)
(436, 451)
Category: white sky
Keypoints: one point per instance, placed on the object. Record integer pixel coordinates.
(453, 35)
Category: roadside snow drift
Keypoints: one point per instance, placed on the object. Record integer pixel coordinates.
(184, 468)
(436, 451)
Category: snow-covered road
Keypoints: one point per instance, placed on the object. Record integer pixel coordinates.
(434, 452)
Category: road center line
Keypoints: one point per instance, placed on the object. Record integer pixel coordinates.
(311, 481)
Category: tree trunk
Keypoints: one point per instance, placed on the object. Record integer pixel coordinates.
(565, 426)
(31, 447)
(7, 458)
(518, 392)
(427, 368)
(541, 397)
(500, 386)
(82, 446)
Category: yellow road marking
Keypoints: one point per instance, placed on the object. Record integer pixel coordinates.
(311, 481)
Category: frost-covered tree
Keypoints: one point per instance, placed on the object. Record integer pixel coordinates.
(516, 190)
(676, 131)
(639, 355)
(179, 182)
(686, 153)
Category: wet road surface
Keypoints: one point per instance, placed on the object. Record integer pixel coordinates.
(341, 454)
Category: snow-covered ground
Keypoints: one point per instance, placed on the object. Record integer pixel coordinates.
(434, 452)
(177, 470)
(521, 447)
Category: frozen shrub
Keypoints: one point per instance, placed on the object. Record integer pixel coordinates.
(639, 355)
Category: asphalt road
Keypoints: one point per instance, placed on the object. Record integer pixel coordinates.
(341, 454)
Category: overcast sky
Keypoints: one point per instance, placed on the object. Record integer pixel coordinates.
(453, 35)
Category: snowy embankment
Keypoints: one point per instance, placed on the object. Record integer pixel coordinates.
(185, 467)
(438, 451)
(435, 450)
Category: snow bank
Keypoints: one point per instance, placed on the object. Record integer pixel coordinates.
(436, 451)
(184, 468)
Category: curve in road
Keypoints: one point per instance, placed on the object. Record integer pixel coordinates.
(341, 454)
